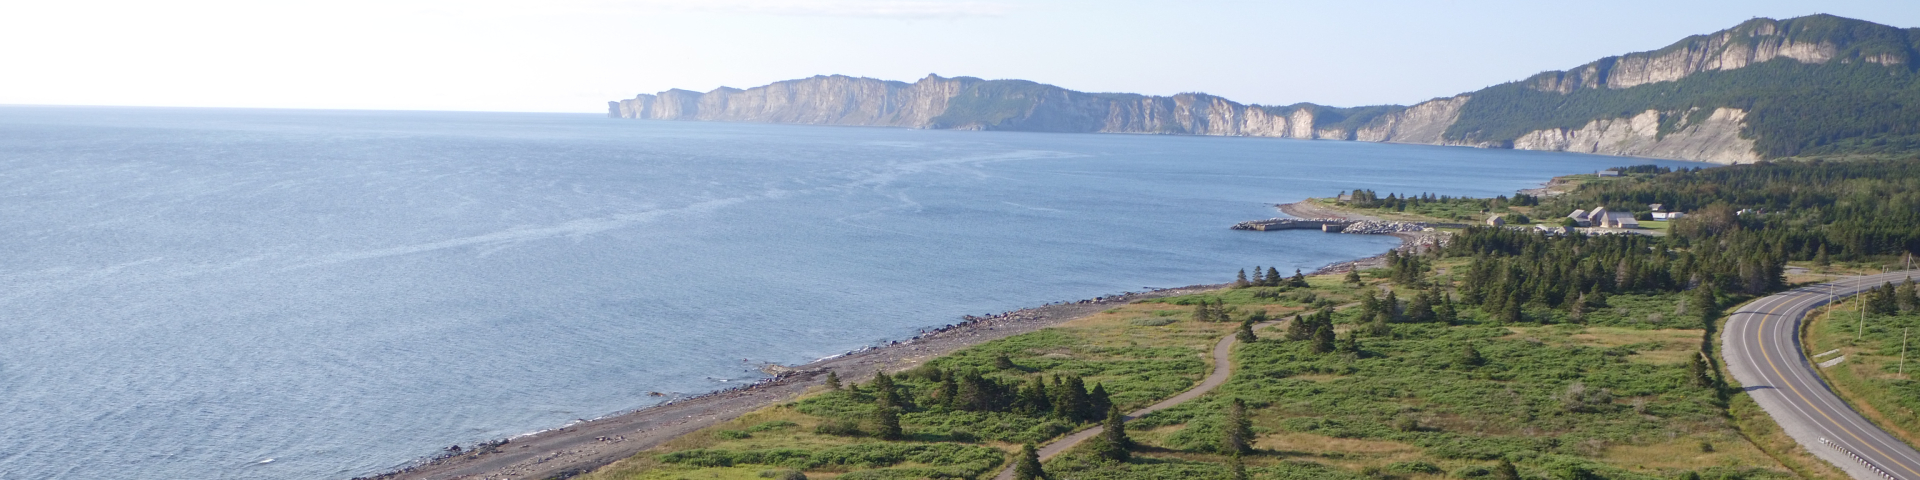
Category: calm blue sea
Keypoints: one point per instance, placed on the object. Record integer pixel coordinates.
(278, 294)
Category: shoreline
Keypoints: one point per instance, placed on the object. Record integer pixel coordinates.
(580, 447)
(1409, 241)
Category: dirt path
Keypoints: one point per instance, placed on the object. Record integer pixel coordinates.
(584, 446)
(1222, 370)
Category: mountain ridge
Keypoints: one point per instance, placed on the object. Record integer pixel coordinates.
(1765, 88)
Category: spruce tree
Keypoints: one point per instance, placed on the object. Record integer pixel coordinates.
(1299, 280)
(1201, 313)
(1236, 468)
(1027, 467)
(1098, 400)
(1033, 399)
(1470, 357)
(1113, 442)
(886, 422)
(1240, 281)
(833, 380)
(1245, 333)
(1259, 277)
(948, 394)
(1299, 329)
(1421, 309)
(1821, 259)
(1908, 295)
(1238, 430)
(1323, 339)
(1697, 372)
(884, 391)
(1353, 277)
(1446, 314)
(1505, 471)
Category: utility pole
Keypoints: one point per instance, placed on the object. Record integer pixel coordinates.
(1861, 303)
(1903, 351)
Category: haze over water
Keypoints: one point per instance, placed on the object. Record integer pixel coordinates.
(258, 294)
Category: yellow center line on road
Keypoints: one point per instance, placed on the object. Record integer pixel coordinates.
(1759, 336)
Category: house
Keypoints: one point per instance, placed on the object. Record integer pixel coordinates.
(1580, 217)
(1602, 218)
(1496, 221)
(1655, 207)
(1668, 215)
(1608, 173)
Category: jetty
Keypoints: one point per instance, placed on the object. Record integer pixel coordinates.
(1271, 224)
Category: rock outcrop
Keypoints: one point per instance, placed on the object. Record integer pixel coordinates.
(1710, 132)
(1714, 139)
(1806, 39)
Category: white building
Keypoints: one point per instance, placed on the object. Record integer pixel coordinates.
(1602, 218)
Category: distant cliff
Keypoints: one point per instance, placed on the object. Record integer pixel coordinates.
(1763, 89)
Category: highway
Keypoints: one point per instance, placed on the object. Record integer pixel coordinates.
(1761, 347)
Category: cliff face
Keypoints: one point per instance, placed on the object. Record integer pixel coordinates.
(1559, 110)
(1716, 138)
(1812, 39)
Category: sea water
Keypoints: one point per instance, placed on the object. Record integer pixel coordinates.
(278, 294)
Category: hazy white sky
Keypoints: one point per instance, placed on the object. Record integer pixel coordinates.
(574, 55)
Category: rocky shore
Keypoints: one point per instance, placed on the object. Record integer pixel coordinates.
(1414, 237)
(581, 447)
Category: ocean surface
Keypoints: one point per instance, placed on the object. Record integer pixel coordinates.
(282, 294)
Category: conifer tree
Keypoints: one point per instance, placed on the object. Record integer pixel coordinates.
(1113, 442)
(886, 422)
(1420, 310)
(1446, 314)
(884, 391)
(1201, 313)
(1821, 259)
(1027, 467)
(1003, 362)
(1240, 281)
(1245, 333)
(1238, 430)
(1704, 303)
(1908, 295)
(1070, 399)
(1299, 329)
(1259, 277)
(1236, 468)
(1697, 372)
(1505, 471)
(1349, 343)
(833, 380)
(1391, 306)
(1323, 339)
(1098, 400)
(1353, 277)
(948, 394)
(1470, 357)
(1299, 280)
(1033, 399)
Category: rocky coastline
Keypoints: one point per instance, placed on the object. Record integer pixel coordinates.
(582, 446)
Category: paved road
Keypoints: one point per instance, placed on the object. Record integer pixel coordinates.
(1762, 349)
(1222, 369)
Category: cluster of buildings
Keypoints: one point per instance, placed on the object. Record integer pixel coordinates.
(1599, 217)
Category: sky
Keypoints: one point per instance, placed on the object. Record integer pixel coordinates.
(575, 55)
